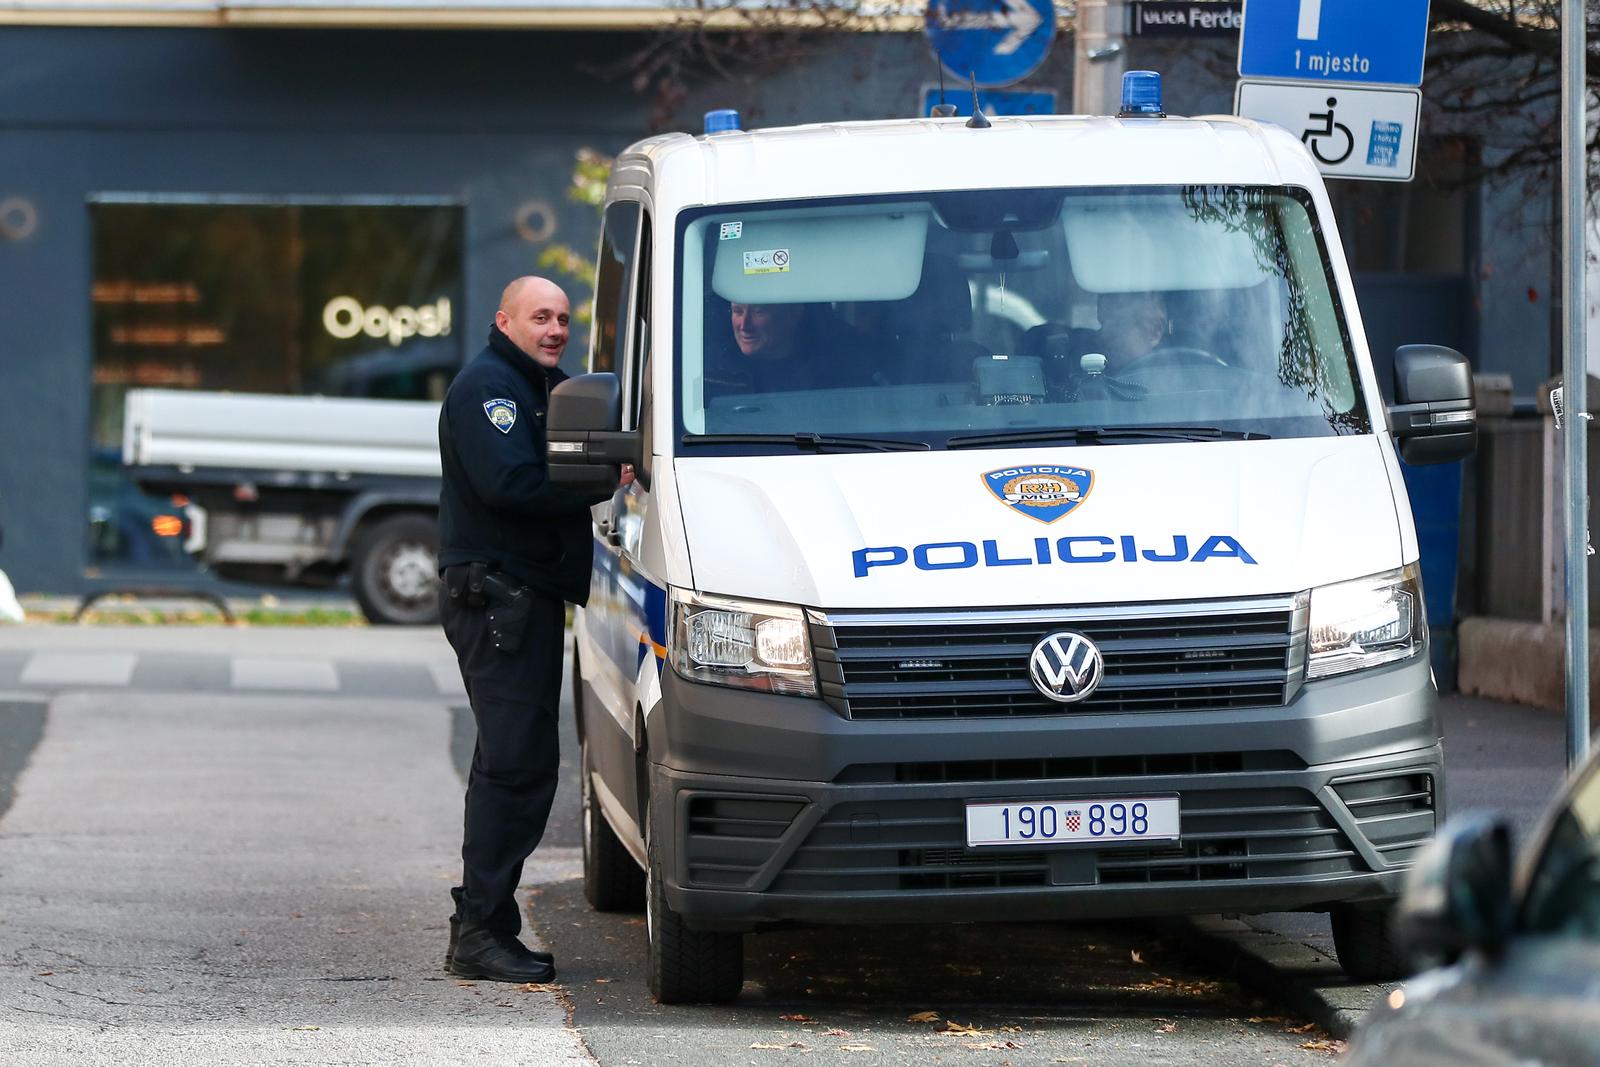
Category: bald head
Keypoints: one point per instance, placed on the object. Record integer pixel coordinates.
(535, 314)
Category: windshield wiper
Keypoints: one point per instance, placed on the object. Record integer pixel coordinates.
(1104, 435)
(810, 442)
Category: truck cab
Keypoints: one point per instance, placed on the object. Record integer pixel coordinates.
(920, 610)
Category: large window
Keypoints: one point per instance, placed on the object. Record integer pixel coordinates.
(946, 319)
(353, 299)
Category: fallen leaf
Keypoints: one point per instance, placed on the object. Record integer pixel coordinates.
(1267, 1019)
(769, 1047)
(1323, 1046)
(1137, 956)
(923, 1017)
(538, 987)
(1168, 1027)
(953, 1027)
(797, 1018)
(464, 984)
(995, 1046)
(602, 981)
(1306, 1029)
(46, 974)
(857, 1048)
(304, 1028)
(836, 1033)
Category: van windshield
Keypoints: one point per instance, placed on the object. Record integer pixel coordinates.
(953, 318)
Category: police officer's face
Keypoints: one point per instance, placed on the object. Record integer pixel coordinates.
(764, 330)
(537, 321)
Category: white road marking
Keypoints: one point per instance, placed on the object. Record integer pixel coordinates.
(78, 668)
(285, 674)
(447, 679)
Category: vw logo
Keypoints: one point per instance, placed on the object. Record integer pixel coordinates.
(1066, 667)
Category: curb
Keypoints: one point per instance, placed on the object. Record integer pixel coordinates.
(1290, 972)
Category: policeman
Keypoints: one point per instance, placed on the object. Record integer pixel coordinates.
(512, 547)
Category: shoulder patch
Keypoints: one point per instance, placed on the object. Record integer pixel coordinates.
(501, 412)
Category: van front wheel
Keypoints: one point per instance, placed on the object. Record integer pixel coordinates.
(612, 880)
(686, 966)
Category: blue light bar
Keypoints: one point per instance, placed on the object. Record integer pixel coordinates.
(722, 120)
(1141, 94)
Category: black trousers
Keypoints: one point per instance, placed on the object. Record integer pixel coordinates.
(516, 699)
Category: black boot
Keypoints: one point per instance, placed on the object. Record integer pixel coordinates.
(455, 935)
(487, 954)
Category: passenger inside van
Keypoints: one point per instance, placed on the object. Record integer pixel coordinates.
(774, 348)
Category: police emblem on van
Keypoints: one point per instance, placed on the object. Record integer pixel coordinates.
(1066, 667)
(1040, 491)
(503, 413)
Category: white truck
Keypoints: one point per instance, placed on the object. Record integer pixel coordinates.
(302, 490)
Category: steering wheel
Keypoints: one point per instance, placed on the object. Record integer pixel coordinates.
(1176, 355)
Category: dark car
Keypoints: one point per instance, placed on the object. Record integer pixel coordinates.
(1522, 979)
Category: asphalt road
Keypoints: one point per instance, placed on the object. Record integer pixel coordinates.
(232, 876)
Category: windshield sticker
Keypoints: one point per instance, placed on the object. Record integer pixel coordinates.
(1043, 492)
(731, 231)
(501, 412)
(767, 261)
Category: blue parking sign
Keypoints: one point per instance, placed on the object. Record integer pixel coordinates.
(997, 42)
(1377, 42)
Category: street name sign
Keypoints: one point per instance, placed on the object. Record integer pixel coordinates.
(998, 42)
(1185, 18)
(1377, 42)
(993, 101)
(1351, 131)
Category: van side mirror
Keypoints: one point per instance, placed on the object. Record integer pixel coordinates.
(585, 444)
(1458, 892)
(1434, 416)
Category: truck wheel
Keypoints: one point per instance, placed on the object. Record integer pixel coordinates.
(686, 966)
(612, 879)
(1364, 939)
(395, 571)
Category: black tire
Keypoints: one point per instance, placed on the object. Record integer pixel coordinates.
(612, 878)
(686, 966)
(394, 571)
(1364, 939)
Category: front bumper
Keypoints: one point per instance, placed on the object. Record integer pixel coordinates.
(783, 810)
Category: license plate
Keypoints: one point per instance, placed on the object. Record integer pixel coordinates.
(1043, 822)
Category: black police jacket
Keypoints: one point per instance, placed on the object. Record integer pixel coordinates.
(497, 504)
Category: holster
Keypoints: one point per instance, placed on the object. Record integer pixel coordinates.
(510, 605)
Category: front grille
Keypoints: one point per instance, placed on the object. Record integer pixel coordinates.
(1396, 812)
(1000, 770)
(1201, 657)
(920, 845)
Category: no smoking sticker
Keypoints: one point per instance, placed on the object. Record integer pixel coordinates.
(767, 261)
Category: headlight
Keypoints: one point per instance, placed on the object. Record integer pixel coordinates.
(1366, 622)
(741, 642)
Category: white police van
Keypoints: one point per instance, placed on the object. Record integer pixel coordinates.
(919, 615)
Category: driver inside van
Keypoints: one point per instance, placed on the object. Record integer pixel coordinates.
(1132, 325)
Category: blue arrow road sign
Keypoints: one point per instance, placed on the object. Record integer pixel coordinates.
(997, 41)
(1381, 42)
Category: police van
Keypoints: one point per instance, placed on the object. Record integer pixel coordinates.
(924, 609)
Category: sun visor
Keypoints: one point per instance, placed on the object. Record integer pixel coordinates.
(857, 253)
(1121, 244)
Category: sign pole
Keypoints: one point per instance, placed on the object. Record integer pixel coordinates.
(1098, 57)
(1575, 494)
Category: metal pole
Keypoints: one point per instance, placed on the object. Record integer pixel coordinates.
(1575, 495)
(1099, 56)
